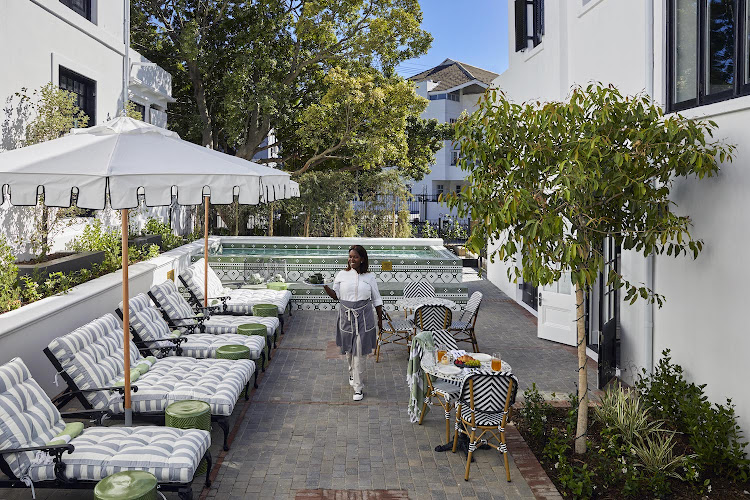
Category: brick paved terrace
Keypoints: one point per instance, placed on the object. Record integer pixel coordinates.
(302, 437)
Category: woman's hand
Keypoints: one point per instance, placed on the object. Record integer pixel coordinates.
(331, 293)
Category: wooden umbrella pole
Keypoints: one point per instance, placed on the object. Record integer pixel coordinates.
(205, 255)
(126, 317)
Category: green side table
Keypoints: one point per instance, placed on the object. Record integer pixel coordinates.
(127, 485)
(277, 285)
(233, 351)
(190, 414)
(258, 329)
(267, 310)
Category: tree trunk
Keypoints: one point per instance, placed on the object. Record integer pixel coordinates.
(335, 224)
(200, 100)
(307, 223)
(583, 397)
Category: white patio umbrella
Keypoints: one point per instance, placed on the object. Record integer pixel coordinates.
(124, 158)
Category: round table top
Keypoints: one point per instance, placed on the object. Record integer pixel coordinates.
(126, 485)
(187, 408)
(415, 302)
(435, 371)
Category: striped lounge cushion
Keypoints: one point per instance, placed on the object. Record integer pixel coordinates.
(92, 356)
(204, 345)
(27, 416)
(218, 382)
(194, 276)
(172, 455)
(172, 303)
(220, 324)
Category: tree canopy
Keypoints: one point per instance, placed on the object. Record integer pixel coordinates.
(551, 181)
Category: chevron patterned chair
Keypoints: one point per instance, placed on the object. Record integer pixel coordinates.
(38, 449)
(153, 337)
(89, 360)
(432, 317)
(421, 288)
(394, 331)
(444, 391)
(463, 327)
(178, 313)
(482, 412)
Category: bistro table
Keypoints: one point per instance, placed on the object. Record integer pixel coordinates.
(412, 303)
(457, 377)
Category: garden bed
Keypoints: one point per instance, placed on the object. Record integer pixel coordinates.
(662, 438)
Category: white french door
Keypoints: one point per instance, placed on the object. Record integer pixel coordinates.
(556, 319)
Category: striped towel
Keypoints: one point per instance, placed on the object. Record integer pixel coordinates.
(415, 376)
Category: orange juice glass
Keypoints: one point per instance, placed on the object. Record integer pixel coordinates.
(497, 364)
(440, 354)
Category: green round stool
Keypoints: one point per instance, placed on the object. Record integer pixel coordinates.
(127, 485)
(189, 414)
(277, 285)
(267, 310)
(233, 351)
(257, 329)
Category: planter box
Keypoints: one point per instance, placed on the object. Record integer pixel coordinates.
(146, 240)
(68, 264)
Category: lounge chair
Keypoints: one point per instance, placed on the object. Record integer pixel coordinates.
(90, 357)
(233, 301)
(33, 457)
(153, 337)
(178, 313)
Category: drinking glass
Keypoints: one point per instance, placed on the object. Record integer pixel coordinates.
(441, 352)
(497, 364)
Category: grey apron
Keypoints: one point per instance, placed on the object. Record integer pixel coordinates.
(356, 318)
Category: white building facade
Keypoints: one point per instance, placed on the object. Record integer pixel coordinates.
(692, 57)
(452, 88)
(78, 45)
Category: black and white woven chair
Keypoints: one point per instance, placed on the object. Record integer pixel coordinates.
(432, 317)
(482, 412)
(420, 288)
(89, 360)
(463, 327)
(39, 450)
(153, 337)
(444, 391)
(178, 313)
(394, 331)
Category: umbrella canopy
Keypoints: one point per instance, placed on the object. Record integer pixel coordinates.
(122, 159)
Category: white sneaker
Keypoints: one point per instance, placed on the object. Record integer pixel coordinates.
(358, 396)
(351, 381)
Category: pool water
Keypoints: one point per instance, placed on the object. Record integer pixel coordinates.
(330, 252)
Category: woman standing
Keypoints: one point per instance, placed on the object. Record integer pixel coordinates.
(357, 292)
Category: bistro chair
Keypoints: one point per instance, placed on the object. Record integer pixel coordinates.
(421, 288)
(432, 317)
(443, 391)
(395, 331)
(482, 412)
(463, 328)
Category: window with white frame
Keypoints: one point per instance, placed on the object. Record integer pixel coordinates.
(439, 188)
(708, 51)
(84, 90)
(454, 157)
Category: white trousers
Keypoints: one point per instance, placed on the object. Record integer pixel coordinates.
(356, 364)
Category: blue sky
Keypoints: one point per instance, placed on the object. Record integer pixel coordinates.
(470, 31)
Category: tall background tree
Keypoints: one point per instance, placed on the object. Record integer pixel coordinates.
(551, 181)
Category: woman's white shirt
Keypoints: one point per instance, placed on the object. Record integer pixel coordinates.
(352, 286)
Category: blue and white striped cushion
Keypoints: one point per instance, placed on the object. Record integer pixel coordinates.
(194, 276)
(204, 345)
(172, 455)
(147, 321)
(27, 416)
(172, 303)
(218, 382)
(93, 356)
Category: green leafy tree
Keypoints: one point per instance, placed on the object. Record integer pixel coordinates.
(551, 181)
(9, 296)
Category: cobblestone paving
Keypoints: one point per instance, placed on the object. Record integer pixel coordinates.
(302, 431)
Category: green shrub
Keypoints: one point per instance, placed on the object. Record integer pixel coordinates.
(624, 413)
(9, 296)
(96, 237)
(169, 240)
(535, 412)
(711, 429)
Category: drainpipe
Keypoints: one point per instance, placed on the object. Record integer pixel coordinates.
(648, 316)
(126, 57)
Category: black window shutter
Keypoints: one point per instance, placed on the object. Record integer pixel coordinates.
(538, 21)
(521, 26)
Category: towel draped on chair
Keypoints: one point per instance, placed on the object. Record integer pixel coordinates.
(415, 376)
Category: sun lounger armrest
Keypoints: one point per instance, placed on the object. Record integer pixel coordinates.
(119, 389)
(55, 449)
